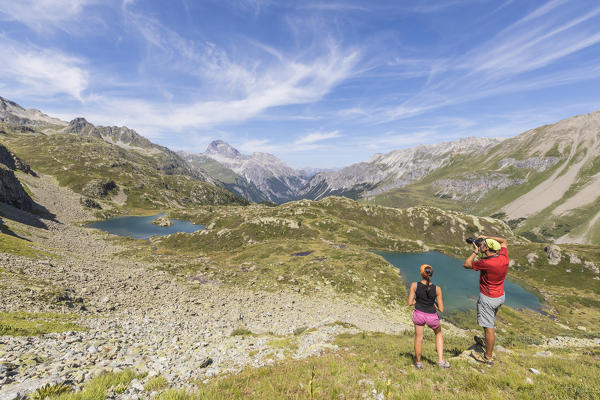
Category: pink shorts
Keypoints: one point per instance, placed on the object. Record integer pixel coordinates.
(422, 318)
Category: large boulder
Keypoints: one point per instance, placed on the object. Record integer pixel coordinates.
(554, 254)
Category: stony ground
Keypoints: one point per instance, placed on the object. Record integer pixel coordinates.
(139, 316)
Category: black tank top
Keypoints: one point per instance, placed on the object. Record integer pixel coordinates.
(426, 298)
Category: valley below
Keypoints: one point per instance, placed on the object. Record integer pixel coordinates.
(265, 300)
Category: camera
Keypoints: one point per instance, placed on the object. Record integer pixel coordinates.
(476, 241)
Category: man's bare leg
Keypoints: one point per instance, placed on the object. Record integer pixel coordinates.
(490, 339)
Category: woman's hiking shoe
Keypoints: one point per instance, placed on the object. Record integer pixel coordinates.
(479, 340)
(419, 365)
(444, 364)
(482, 358)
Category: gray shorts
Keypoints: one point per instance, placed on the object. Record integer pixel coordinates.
(487, 308)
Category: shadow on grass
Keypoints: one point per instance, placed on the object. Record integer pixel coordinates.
(410, 356)
(34, 218)
(7, 231)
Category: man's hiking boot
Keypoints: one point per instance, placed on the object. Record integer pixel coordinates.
(479, 340)
(482, 358)
(444, 364)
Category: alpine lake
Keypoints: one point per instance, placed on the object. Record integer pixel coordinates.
(460, 286)
(142, 227)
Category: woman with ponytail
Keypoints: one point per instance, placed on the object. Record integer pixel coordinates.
(427, 299)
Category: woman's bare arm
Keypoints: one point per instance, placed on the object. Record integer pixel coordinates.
(411, 295)
(439, 301)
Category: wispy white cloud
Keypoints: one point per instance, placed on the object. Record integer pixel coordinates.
(232, 89)
(42, 15)
(30, 70)
(259, 146)
(318, 137)
(516, 59)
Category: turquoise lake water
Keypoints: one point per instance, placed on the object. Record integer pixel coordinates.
(142, 227)
(460, 286)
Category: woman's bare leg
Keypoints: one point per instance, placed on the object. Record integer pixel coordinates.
(439, 343)
(419, 341)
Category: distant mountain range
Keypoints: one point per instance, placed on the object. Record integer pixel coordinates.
(544, 183)
(257, 177)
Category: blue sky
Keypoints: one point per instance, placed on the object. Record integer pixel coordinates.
(317, 83)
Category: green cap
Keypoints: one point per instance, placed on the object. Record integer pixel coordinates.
(492, 244)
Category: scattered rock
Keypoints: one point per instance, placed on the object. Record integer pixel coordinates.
(531, 257)
(90, 203)
(136, 385)
(535, 371)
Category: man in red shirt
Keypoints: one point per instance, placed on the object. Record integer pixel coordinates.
(492, 268)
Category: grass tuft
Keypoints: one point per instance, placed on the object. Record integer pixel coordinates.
(22, 323)
(241, 332)
(156, 383)
(98, 388)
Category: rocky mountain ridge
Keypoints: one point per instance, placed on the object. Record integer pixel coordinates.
(130, 140)
(13, 113)
(383, 172)
(111, 167)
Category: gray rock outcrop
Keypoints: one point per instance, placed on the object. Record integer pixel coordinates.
(554, 254)
(474, 187)
(13, 162)
(82, 127)
(11, 191)
(99, 187)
